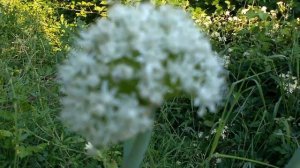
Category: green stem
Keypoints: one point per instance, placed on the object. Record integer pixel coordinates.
(222, 123)
(244, 159)
(16, 109)
(127, 148)
(135, 149)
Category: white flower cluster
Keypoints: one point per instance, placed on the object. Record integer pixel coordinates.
(289, 82)
(127, 64)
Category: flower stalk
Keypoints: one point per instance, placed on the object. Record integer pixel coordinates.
(135, 149)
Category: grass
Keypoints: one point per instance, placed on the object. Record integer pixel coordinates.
(257, 125)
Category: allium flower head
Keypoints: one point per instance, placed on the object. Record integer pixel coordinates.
(125, 65)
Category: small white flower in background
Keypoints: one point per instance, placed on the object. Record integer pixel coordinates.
(246, 54)
(207, 22)
(226, 59)
(276, 26)
(289, 82)
(264, 9)
(218, 160)
(213, 131)
(124, 66)
(200, 134)
(290, 118)
(90, 149)
(273, 13)
(227, 13)
(244, 11)
(280, 3)
(178, 162)
(222, 39)
(215, 34)
(223, 134)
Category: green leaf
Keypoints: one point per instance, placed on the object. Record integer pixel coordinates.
(111, 164)
(23, 151)
(251, 14)
(38, 148)
(208, 123)
(263, 16)
(6, 115)
(5, 133)
(99, 9)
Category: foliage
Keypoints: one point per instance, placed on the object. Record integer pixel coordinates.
(84, 10)
(30, 134)
(258, 121)
(220, 6)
